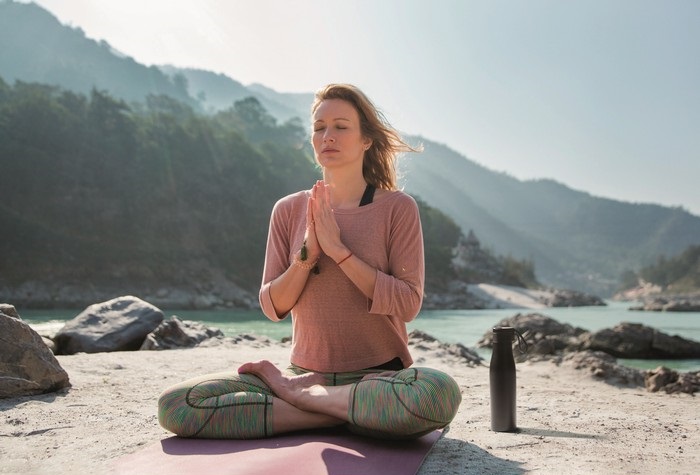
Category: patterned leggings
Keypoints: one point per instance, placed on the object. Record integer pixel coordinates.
(401, 404)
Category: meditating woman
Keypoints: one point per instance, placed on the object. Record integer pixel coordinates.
(345, 260)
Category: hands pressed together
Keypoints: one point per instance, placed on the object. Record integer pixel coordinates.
(322, 231)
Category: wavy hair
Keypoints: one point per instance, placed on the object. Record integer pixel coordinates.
(379, 163)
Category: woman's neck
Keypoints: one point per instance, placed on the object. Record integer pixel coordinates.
(346, 192)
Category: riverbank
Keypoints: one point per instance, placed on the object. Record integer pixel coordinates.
(450, 326)
(570, 422)
(224, 295)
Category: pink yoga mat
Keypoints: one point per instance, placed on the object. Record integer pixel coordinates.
(304, 453)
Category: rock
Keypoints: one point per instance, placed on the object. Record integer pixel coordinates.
(642, 291)
(120, 324)
(572, 298)
(670, 303)
(603, 366)
(544, 335)
(462, 295)
(457, 296)
(453, 351)
(670, 381)
(27, 365)
(181, 291)
(634, 340)
(9, 310)
(176, 333)
(658, 378)
(49, 344)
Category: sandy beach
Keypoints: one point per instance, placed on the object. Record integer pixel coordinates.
(569, 422)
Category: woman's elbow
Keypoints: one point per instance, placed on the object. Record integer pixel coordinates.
(413, 304)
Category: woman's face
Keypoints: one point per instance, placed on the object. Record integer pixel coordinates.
(337, 138)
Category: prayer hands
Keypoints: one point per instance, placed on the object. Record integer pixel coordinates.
(322, 231)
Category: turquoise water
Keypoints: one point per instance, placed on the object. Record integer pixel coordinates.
(450, 326)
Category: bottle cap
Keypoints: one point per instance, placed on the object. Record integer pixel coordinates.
(508, 334)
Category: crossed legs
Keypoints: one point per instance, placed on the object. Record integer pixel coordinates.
(260, 401)
(302, 401)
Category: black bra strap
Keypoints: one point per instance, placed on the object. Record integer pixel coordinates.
(368, 196)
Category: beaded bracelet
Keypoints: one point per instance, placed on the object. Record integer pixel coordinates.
(304, 265)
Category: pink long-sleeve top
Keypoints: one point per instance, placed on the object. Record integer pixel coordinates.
(336, 328)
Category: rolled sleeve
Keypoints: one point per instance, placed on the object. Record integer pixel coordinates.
(398, 291)
(266, 305)
(396, 297)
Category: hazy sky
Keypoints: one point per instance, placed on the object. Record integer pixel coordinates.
(602, 95)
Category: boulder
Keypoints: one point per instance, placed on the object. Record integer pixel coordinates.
(544, 335)
(634, 340)
(120, 324)
(176, 333)
(27, 365)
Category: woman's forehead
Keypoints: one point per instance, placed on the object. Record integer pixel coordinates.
(335, 109)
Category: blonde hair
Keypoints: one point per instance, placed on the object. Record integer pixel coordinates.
(379, 164)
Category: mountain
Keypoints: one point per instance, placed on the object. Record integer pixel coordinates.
(575, 240)
(36, 47)
(216, 92)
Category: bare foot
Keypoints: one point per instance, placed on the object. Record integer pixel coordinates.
(286, 387)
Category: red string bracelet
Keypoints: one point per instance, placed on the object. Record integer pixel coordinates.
(344, 259)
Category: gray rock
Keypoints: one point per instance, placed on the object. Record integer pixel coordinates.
(457, 296)
(677, 303)
(572, 298)
(634, 340)
(176, 333)
(544, 335)
(453, 351)
(27, 365)
(603, 366)
(671, 382)
(120, 324)
(9, 310)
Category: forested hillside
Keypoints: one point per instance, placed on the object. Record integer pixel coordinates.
(98, 192)
(675, 274)
(96, 188)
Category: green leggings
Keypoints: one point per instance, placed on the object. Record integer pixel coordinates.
(390, 405)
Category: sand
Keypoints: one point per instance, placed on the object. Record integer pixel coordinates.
(569, 422)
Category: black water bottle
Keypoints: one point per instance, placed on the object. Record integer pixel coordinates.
(502, 376)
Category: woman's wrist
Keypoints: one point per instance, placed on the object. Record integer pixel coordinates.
(306, 265)
(343, 259)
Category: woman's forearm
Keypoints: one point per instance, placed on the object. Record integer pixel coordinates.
(360, 273)
(286, 289)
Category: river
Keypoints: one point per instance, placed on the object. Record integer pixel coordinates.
(450, 326)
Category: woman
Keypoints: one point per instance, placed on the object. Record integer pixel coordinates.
(345, 259)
